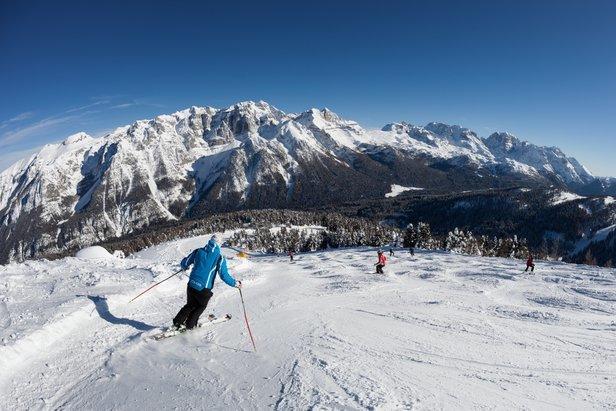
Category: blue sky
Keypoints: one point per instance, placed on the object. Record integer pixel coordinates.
(543, 70)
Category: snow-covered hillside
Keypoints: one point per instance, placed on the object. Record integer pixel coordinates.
(396, 190)
(437, 331)
(204, 160)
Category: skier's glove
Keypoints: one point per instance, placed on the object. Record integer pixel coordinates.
(238, 284)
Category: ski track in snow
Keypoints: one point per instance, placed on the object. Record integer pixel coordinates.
(439, 330)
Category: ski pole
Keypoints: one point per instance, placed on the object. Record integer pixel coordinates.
(246, 319)
(162, 281)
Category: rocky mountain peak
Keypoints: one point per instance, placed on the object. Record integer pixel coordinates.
(502, 141)
(76, 138)
(445, 130)
(399, 128)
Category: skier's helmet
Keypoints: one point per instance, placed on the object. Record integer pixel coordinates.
(380, 252)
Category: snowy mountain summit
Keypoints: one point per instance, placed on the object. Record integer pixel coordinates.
(500, 151)
(204, 160)
(506, 147)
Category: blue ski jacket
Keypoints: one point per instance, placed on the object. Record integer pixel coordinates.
(208, 261)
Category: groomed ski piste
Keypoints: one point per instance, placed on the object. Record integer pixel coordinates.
(437, 331)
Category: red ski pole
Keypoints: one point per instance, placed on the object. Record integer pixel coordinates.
(246, 319)
(160, 282)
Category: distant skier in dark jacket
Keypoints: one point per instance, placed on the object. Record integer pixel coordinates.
(291, 256)
(391, 252)
(381, 263)
(530, 264)
(207, 262)
(412, 248)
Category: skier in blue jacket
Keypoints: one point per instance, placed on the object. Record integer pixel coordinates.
(207, 262)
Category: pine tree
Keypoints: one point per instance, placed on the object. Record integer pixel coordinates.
(424, 236)
(410, 237)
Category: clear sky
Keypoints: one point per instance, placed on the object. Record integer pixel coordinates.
(543, 70)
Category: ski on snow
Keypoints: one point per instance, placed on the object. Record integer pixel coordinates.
(172, 331)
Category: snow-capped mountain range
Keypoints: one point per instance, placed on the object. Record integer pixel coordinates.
(204, 160)
(500, 152)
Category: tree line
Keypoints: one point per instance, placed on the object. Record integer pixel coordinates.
(340, 231)
(281, 231)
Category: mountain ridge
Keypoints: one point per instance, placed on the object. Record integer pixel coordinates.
(203, 160)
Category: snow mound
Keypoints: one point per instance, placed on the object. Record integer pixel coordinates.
(396, 190)
(93, 253)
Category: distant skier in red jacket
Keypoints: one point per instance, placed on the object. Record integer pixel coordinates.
(381, 263)
(530, 264)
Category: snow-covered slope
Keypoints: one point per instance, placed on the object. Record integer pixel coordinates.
(565, 196)
(396, 190)
(251, 155)
(437, 331)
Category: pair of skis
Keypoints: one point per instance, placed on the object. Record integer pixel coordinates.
(173, 331)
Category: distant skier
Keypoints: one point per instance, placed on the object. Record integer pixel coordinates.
(391, 252)
(291, 255)
(381, 263)
(412, 247)
(207, 262)
(530, 264)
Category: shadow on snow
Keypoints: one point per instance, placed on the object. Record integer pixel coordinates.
(102, 308)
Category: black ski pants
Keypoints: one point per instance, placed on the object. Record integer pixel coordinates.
(379, 268)
(196, 302)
